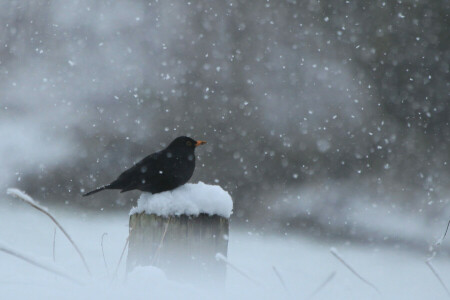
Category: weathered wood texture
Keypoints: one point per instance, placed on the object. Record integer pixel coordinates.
(183, 246)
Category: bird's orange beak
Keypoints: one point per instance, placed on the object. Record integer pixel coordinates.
(199, 143)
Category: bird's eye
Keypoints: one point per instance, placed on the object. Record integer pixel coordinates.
(189, 143)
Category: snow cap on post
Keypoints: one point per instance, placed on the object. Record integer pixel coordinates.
(189, 199)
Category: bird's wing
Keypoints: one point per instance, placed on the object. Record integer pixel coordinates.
(132, 178)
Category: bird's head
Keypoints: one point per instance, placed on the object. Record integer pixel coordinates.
(186, 142)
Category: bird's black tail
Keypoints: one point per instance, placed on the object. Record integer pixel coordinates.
(97, 190)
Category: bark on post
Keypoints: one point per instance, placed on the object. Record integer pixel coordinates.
(183, 246)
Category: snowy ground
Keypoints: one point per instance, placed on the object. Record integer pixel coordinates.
(303, 263)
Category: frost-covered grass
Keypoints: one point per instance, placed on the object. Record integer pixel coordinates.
(302, 263)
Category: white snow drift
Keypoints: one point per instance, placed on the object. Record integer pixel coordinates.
(189, 199)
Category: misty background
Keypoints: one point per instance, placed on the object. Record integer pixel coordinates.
(327, 117)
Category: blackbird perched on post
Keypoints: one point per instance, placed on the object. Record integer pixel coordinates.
(161, 171)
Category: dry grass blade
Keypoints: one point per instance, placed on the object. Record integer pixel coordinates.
(446, 230)
(280, 278)
(336, 254)
(103, 254)
(441, 239)
(120, 259)
(27, 199)
(154, 259)
(428, 262)
(54, 245)
(220, 256)
(322, 285)
(32, 261)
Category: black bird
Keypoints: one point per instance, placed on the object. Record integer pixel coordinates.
(161, 171)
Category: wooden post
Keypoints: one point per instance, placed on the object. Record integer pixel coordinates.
(183, 246)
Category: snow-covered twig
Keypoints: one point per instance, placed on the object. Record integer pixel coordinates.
(280, 278)
(428, 262)
(34, 262)
(103, 254)
(220, 256)
(336, 254)
(27, 199)
(322, 285)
